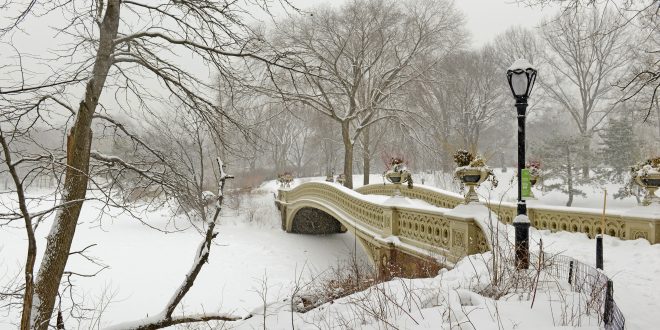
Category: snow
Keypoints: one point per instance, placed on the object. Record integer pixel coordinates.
(521, 64)
(505, 192)
(148, 265)
(648, 212)
(521, 218)
(401, 202)
(632, 265)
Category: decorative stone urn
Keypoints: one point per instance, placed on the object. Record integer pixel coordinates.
(651, 182)
(330, 177)
(472, 171)
(341, 178)
(472, 177)
(398, 174)
(399, 177)
(285, 179)
(533, 179)
(647, 175)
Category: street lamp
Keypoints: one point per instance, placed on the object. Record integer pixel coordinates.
(521, 76)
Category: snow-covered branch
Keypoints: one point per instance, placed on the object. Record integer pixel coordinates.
(165, 318)
(157, 321)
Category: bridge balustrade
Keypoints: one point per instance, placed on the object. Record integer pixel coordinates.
(390, 233)
(421, 238)
(638, 222)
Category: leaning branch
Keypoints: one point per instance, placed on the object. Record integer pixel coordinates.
(32, 243)
(165, 318)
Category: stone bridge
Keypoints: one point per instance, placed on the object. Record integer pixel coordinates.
(416, 239)
(399, 239)
(637, 222)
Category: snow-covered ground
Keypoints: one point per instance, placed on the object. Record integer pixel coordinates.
(146, 265)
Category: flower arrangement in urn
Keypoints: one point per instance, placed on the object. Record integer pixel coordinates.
(285, 179)
(397, 172)
(647, 175)
(534, 168)
(472, 171)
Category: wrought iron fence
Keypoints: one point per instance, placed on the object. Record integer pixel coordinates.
(595, 286)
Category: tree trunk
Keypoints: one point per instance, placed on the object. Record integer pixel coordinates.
(366, 156)
(657, 109)
(348, 154)
(569, 176)
(75, 183)
(586, 158)
(329, 166)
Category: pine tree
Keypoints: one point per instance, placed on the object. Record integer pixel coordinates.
(559, 156)
(619, 149)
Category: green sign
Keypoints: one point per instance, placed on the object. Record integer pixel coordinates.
(526, 187)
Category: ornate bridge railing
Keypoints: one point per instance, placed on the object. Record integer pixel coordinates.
(412, 238)
(641, 222)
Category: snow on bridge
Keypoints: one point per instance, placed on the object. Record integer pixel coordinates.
(427, 228)
(401, 236)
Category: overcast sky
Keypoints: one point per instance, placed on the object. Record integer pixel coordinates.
(485, 18)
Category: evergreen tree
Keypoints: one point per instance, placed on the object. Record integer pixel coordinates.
(560, 158)
(619, 149)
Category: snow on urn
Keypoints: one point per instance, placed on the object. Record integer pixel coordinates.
(397, 172)
(647, 175)
(472, 171)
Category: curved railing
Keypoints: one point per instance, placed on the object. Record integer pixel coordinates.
(640, 222)
(349, 202)
(423, 231)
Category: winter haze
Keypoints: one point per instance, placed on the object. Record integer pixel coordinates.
(318, 164)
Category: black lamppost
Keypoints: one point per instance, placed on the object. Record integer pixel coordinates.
(521, 76)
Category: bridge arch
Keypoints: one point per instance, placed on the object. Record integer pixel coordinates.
(399, 240)
(314, 221)
(312, 217)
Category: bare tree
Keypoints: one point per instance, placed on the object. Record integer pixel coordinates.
(643, 81)
(300, 152)
(110, 48)
(638, 15)
(353, 61)
(371, 143)
(517, 42)
(431, 96)
(459, 105)
(584, 62)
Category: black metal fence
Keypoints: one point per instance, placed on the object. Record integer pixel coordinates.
(592, 283)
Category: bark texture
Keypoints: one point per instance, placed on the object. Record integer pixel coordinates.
(75, 184)
(348, 154)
